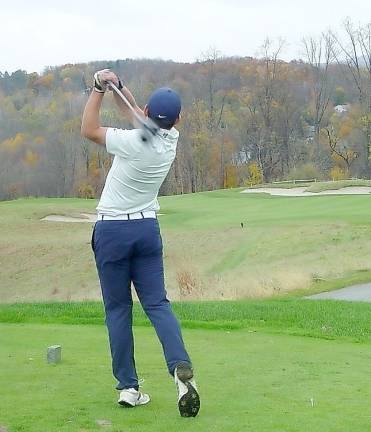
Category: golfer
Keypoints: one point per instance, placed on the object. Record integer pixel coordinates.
(126, 239)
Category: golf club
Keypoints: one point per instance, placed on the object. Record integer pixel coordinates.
(148, 127)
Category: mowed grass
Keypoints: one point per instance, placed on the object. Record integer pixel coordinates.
(248, 381)
(286, 243)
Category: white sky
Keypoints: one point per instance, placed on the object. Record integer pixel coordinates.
(39, 33)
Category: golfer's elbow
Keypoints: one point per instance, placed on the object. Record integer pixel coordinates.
(97, 135)
(85, 131)
(88, 131)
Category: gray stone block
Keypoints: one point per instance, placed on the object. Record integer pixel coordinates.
(54, 354)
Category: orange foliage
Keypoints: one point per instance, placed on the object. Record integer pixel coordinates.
(14, 190)
(45, 81)
(345, 129)
(85, 190)
(39, 140)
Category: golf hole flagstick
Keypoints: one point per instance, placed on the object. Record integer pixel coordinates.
(148, 127)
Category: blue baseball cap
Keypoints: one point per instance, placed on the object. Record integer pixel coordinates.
(164, 106)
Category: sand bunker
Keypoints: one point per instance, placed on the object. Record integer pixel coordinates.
(300, 191)
(83, 217)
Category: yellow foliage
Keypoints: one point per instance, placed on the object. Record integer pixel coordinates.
(255, 174)
(72, 125)
(338, 173)
(31, 158)
(230, 177)
(13, 144)
(53, 107)
(94, 168)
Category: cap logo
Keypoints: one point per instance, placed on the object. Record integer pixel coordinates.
(161, 116)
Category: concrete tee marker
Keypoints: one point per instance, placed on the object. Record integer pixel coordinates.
(54, 354)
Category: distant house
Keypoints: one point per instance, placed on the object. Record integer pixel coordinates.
(341, 109)
(309, 132)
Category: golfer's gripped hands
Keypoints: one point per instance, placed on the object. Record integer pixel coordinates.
(102, 77)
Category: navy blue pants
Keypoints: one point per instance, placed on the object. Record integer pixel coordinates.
(125, 252)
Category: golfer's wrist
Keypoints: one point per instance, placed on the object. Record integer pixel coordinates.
(96, 90)
(98, 86)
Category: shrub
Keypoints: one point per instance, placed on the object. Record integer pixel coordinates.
(255, 174)
(305, 171)
(187, 283)
(338, 173)
(85, 190)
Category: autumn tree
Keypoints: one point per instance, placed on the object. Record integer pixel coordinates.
(355, 57)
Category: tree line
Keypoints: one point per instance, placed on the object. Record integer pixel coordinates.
(244, 120)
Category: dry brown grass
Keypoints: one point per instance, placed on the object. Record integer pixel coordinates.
(43, 261)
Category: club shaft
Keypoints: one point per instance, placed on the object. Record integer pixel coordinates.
(127, 103)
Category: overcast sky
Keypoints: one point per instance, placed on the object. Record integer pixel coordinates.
(37, 33)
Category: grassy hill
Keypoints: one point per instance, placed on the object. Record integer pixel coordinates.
(285, 244)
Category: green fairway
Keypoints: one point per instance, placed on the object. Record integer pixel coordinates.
(286, 243)
(248, 381)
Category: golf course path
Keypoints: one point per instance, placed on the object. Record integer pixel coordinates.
(301, 191)
(360, 292)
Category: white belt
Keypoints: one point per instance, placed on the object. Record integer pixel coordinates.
(130, 216)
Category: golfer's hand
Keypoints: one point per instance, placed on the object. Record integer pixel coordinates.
(102, 77)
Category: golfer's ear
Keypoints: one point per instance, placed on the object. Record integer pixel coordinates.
(145, 110)
(178, 119)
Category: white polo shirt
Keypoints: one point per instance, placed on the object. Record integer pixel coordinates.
(138, 170)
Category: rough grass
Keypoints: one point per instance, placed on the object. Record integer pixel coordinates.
(321, 319)
(286, 243)
(248, 382)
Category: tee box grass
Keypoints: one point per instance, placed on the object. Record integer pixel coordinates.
(247, 381)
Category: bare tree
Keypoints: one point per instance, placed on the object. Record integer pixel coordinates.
(339, 148)
(319, 55)
(262, 108)
(355, 55)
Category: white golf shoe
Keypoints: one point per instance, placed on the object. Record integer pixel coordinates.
(188, 397)
(131, 398)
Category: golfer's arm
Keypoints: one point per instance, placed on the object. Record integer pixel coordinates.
(90, 125)
(123, 108)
